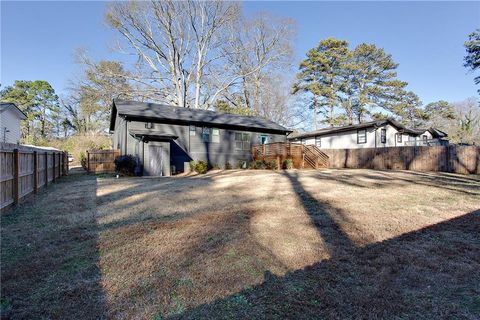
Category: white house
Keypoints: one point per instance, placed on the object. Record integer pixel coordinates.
(374, 134)
(10, 117)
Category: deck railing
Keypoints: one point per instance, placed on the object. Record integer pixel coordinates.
(302, 156)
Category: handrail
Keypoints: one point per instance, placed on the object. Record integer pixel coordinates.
(311, 155)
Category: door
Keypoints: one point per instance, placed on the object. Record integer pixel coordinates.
(155, 160)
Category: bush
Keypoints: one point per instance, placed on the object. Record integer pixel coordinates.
(271, 165)
(199, 166)
(287, 164)
(228, 166)
(126, 165)
(258, 164)
(83, 160)
(262, 164)
(193, 164)
(242, 164)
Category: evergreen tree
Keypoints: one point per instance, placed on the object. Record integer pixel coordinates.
(320, 76)
(472, 59)
(374, 81)
(439, 114)
(348, 86)
(37, 99)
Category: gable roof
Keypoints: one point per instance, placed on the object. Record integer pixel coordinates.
(379, 123)
(161, 113)
(12, 106)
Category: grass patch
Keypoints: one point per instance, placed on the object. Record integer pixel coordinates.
(246, 244)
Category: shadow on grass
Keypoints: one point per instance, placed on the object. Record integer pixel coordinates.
(49, 257)
(431, 272)
(426, 273)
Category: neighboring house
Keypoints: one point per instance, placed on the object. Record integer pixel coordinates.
(10, 117)
(374, 134)
(166, 138)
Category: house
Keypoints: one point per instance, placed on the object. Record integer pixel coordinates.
(10, 117)
(165, 138)
(374, 134)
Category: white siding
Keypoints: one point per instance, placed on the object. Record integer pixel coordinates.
(9, 119)
(348, 139)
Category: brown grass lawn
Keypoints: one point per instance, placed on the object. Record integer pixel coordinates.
(246, 244)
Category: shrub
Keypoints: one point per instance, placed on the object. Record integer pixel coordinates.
(126, 165)
(242, 164)
(83, 160)
(262, 164)
(193, 164)
(228, 166)
(287, 164)
(199, 166)
(258, 164)
(271, 165)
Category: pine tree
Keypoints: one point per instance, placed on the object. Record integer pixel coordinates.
(320, 76)
(472, 59)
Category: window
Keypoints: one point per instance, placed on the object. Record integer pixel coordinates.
(411, 138)
(263, 139)
(206, 134)
(399, 137)
(383, 136)
(193, 130)
(318, 141)
(362, 136)
(242, 141)
(304, 141)
(425, 138)
(149, 125)
(216, 135)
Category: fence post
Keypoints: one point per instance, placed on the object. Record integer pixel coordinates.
(88, 162)
(46, 169)
(53, 167)
(35, 172)
(16, 176)
(67, 164)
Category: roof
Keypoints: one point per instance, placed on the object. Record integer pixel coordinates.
(379, 123)
(143, 111)
(151, 135)
(9, 105)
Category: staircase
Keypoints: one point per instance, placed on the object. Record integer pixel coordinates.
(314, 158)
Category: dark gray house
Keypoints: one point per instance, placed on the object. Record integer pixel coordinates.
(166, 138)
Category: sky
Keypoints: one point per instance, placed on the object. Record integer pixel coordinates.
(38, 39)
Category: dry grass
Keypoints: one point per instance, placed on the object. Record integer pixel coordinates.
(247, 244)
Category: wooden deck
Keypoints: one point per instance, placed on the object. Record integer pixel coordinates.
(302, 156)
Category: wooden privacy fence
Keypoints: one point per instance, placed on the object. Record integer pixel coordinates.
(452, 158)
(101, 161)
(24, 170)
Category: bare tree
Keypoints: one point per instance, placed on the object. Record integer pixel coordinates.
(256, 50)
(177, 41)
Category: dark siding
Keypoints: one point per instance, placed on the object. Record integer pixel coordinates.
(187, 147)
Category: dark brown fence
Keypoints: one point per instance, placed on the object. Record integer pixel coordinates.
(101, 161)
(24, 170)
(453, 158)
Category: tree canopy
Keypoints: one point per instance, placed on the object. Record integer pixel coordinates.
(38, 100)
(472, 59)
(349, 86)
